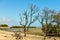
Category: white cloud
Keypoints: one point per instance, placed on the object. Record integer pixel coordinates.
(4, 20)
(9, 21)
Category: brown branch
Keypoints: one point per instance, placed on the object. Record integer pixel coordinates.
(21, 20)
(32, 22)
(26, 18)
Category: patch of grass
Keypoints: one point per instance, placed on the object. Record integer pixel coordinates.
(35, 31)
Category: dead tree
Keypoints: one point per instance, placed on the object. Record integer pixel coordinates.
(47, 18)
(29, 17)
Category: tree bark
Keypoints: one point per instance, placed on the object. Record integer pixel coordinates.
(24, 31)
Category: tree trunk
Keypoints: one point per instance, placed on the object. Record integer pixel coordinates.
(28, 26)
(24, 31)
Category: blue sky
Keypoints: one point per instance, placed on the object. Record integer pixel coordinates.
(10, 9)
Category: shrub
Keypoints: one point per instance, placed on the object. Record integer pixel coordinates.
(17, 27)
(4, 25)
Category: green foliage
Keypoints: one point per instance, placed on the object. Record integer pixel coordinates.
(52, 30)
(4, 25)
(22, 27)
(17, 27)
(56, 17)
(32, 27)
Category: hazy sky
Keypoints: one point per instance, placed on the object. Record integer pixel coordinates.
(10, 9)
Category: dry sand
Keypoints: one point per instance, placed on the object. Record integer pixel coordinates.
(4, 35)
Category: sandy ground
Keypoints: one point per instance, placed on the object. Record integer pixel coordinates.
(7, 36)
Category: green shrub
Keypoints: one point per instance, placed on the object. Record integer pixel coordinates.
(4, 25)
(16, 27)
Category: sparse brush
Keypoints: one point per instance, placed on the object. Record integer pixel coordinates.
(17, 35)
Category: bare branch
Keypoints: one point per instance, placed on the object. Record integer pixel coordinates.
(21, 20)
(36, 18)
(26, 18)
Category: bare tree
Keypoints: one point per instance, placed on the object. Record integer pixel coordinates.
(30, 16)
(46, 17)
(56, 18)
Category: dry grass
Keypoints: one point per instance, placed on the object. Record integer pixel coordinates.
(35, 31)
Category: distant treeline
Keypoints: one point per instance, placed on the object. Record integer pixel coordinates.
(3, 25)
(22, 27)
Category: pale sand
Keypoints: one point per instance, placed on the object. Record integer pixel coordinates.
(7, 36)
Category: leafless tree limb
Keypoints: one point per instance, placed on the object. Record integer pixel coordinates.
(28, 17)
